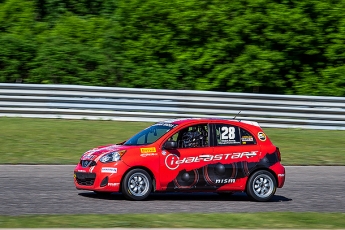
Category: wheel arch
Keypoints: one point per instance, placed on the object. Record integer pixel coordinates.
(145, 169)
(258, 169)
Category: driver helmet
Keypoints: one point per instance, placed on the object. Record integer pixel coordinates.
(192, 138)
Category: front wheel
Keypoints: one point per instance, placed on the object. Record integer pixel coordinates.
(261, 186)
(137, 185)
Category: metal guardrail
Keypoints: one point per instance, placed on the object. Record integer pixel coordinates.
(128, 104)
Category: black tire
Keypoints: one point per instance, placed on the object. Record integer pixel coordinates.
(261, 186)
(137, 185)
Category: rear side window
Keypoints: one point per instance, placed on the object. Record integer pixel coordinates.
(247, 138)
(233, 135)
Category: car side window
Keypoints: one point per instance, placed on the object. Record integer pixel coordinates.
(232, 135)
(228, 134)
(247, 138)
(192, 137)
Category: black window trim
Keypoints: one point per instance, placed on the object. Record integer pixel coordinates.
(213, 138)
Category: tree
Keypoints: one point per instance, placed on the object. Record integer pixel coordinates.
(15, 56)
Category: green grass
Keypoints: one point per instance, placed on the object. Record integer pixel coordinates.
(309, 147)
(215, 220)
(59, 141)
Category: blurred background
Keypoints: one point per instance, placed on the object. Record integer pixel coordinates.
(261, 46)
(276, 49)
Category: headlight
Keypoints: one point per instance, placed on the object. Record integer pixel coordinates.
(112, 157)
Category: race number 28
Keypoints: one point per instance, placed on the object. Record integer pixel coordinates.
(228, 133)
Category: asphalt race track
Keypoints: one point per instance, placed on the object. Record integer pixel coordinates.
(49, 189)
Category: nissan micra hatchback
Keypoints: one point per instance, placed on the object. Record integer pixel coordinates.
(192, 154)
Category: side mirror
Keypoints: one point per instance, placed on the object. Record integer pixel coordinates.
(170, 145)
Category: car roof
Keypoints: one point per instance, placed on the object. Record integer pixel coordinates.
(181, 121)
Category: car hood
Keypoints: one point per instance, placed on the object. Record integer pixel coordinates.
(96, 153)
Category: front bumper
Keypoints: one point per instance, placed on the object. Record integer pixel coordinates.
(100, 177)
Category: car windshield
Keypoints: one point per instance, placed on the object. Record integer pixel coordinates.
(150, 134)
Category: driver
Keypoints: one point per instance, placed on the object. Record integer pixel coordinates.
(195, 137)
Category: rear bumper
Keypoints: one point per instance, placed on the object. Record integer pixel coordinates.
(279, 170)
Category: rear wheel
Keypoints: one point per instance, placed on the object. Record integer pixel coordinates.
(261, 186)
(137, 185)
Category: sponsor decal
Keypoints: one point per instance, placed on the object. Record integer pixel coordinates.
(172, 161)
(109, 170)
(247, 138)
(179, 119)
(225, 181)
(148, 150)
(89, 154)
(75, 176)
(281, 175)
(148, 154)
(113, 184)
(262, 136)
(164, 152)
(89, 157)
(79, 170)
(228, 142)
(164, 124)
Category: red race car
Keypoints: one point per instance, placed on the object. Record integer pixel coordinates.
(191, 154)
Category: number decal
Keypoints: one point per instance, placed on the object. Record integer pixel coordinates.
(232, 133)
(228, 133)
(224, 133)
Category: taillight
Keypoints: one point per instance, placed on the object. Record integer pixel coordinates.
(278, 154)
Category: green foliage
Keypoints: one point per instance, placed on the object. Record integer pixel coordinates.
(16, 54)
(71, 53)
(60, 61)
(50, 10)
(285, 46)
(17, 17)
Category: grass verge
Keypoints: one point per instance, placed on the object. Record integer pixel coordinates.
(60, 141)
(272, 220)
